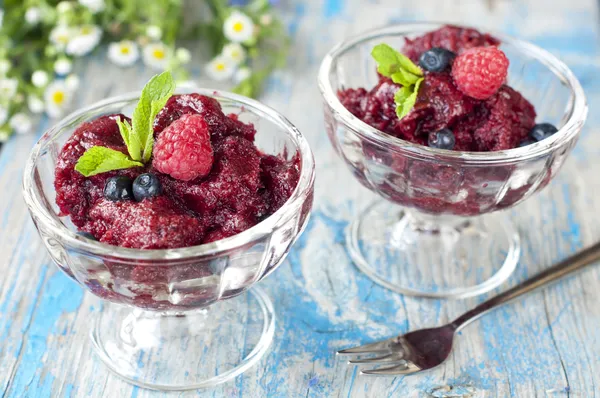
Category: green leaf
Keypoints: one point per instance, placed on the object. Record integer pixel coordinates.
(405, 78)
(125, 130)
(385, 56)
(154, 96)
(100, 159)
(402, 94)
(405, 106)
(408, 65)
(390, 61)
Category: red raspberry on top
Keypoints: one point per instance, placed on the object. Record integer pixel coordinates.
(479, 72)
(183, 150)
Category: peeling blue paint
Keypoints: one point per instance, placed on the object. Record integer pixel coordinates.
(59, 296)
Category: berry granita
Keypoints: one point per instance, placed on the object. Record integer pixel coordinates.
(457, 98)
(501, 120)
(205, 181)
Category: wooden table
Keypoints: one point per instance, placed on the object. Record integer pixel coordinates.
(544, 346)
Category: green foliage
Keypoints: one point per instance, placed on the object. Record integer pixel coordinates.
(29, 47)
(401, 70)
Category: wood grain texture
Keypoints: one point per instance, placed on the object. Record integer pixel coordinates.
(547, 345)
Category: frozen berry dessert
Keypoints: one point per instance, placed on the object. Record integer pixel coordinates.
(446, 90)
(456, 99)
(179, 173)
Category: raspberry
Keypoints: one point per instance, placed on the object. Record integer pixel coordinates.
(183, 150)
(479, 72)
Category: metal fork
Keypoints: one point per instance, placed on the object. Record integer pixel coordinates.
(427, 348)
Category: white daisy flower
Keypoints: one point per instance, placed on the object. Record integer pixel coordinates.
(57, 97)
(242, 74)
(95, 6)
(72, 82)
(20, 123)
(266, 19)
(3, 115)
(123, 53)
(235, 52)
(183, 55)
(220, 68)
(63, 66)
(154, 32)
(60, 36)
(8, 87)
(33, 15)
(39, 78)
(63, 7)
(85, 40)
(238, 27)
(156, 56)
(35, 104)
(4, 66)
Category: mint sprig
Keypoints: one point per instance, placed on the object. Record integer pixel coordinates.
(401, 70)
(138, 136)
(99, 159)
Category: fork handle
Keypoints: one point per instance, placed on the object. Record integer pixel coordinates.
(574, 263)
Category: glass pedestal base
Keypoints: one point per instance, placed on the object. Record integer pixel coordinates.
(188, 350)
(433, 256)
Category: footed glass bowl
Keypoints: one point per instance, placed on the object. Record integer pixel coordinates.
(168, 323)
(437, 233)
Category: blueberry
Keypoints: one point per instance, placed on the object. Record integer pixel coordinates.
(542, 131)
(436, 60)
(146, 186)
(443, 139)
(525, 142)
(118, 188)
(87, 235)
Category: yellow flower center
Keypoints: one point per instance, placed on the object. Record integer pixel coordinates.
(220, 67)
(158, 53)
(125, 50)
(86, 30)
(64, 39)
(58, 97)
(238, 26)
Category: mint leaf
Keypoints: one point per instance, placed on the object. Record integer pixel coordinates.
(408, 95)
(405, 78)
(408, 65)
(390, 61)
(385, 56)
(138, 136)
(125, 130)
(99, 159)
(154, 96)
(402, 94)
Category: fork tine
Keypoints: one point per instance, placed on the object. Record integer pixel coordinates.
(380, 346)
(390, 358)
(402, 369)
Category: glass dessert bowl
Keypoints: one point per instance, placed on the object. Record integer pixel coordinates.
(179, 318)
(438, 233)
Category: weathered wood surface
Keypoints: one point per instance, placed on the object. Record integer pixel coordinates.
(543, 346)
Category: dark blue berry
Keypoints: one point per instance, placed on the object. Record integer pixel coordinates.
(146, 186)
(87, 235)
(436, 60)
(118, 188)
(525, 142)
(443, 139)
(542, 131)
